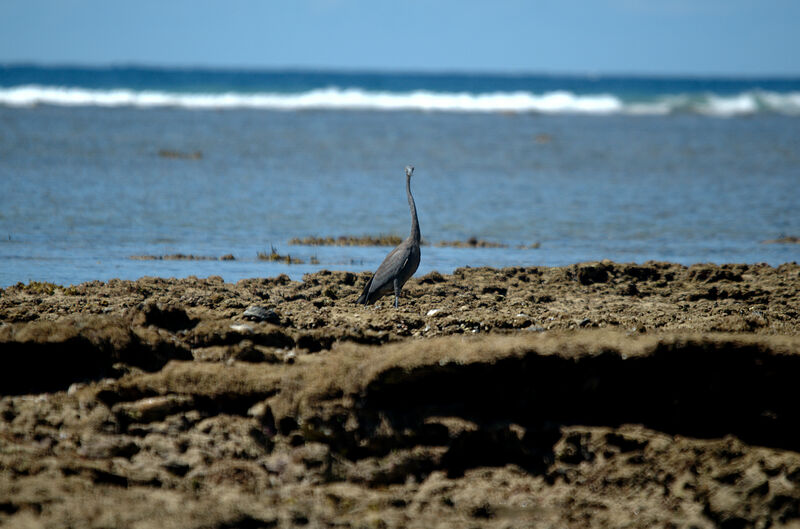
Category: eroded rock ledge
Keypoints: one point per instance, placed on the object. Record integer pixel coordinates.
(486, 400)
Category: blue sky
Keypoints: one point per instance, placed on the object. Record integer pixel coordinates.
(751, 37)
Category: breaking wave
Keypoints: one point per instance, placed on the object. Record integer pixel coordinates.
(554, 102)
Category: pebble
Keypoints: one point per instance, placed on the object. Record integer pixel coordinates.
(241, 327)
(433, 312)
(153, 409)
(258, 410)
(75, 387)
(535, 328)
(257, 313)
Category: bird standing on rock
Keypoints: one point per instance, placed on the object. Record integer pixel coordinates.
(400, 264)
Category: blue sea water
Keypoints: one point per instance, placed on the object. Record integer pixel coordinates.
(591, 167)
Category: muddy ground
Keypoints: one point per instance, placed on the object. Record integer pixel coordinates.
(593, 395)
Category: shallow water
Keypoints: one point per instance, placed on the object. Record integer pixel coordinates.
(82, 189)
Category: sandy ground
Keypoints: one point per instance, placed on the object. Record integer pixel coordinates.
(593, 395)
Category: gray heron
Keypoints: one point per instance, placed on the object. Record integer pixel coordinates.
(400, 264)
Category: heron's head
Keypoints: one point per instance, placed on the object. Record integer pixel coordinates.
(409, 170)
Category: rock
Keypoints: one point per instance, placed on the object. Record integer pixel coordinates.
(257, 313)
(535, 328)
(260, 411)
(783, 240)
(628, 289)
(589, 274)
(712, 274)
(165, 316)
(246, 351)
(105, 446)
(432, 278)
(222, 332)
(153, 408)
(75, 388)
(399, 418)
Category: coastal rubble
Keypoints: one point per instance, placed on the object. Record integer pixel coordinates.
(596, 394)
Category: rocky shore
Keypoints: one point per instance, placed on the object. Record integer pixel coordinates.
(593, 395)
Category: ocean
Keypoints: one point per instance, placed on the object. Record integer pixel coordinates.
(101, 166)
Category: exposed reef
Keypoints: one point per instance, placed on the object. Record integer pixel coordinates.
(592, 395)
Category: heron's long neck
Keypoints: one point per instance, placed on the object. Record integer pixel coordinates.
(414, 222)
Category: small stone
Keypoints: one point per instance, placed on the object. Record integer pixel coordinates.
(153, 409)
(259, 410)
(585, 322)
(241, 327)
(75, 387)
(433, 312)
(535, 328)
(257, 313)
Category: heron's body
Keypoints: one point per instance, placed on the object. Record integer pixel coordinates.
(400, 264)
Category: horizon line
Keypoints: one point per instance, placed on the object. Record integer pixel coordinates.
(356, 70)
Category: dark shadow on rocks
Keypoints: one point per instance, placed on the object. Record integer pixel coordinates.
(170, 317)
(45, 356)
(518, 405)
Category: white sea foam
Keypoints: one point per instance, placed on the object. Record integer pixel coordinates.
(555, 102)
(328, 98)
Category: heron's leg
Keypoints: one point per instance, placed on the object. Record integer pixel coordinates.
(396, 293)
